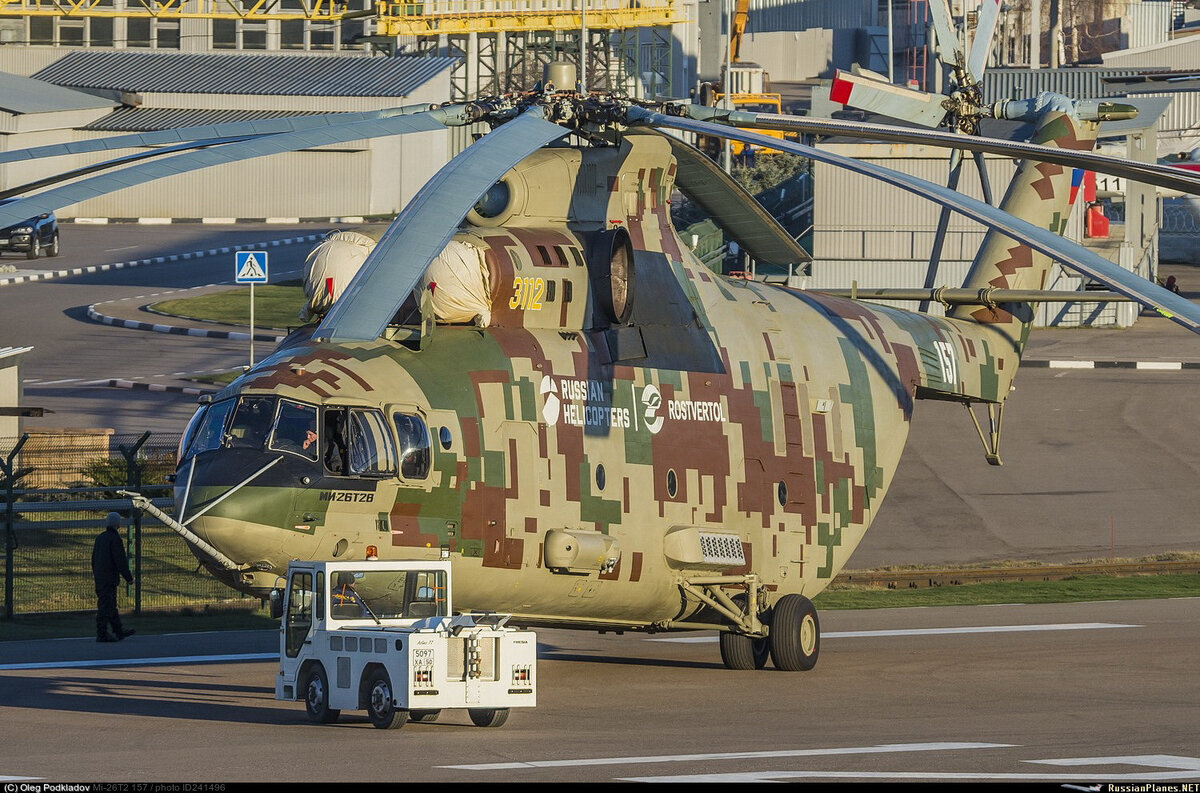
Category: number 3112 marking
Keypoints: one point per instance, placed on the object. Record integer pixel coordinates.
(528, 294)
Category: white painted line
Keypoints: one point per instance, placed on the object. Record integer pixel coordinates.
(1065, 626)
(1072, 364)
(690, 758)
(1159, 365)
(178, 659)
(767, 776)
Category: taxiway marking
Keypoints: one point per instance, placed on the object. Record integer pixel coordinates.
(1062, 626)
(688, 758)
(177, 659)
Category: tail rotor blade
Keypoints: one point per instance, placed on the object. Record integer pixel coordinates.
(943, 28)
(886, 99)
(984, 182)
(985, 38)
(939, 237)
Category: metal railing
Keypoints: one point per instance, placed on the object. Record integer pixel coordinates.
(57, 490)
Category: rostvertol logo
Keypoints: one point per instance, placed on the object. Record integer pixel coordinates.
(651, 402)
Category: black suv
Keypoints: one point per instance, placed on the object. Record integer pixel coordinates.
(31, 236)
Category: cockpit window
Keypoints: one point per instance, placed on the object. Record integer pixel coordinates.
(371, 449)
(252, 422)
(210, 429)
(414, 445)
(296, 429)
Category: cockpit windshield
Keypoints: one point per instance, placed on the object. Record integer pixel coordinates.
(252, 422)
(296, 429)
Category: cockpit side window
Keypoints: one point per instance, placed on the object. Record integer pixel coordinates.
(296, 429)
(414, 445)
(211, 428)
(371, 450)
(252, 422)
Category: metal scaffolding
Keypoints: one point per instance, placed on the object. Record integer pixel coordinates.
(503, 44)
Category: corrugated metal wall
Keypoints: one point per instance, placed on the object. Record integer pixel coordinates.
(1150, 23)
(1083, 81)
(767, 15)
(358, 178)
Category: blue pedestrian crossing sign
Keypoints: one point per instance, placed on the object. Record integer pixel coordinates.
(250, 267)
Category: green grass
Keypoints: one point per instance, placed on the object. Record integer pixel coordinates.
(275, 306)
(57, 626)
(247, 615)
(1070, 590)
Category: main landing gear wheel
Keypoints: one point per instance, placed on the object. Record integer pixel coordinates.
(795, 636)
(424, 716)
(742, 652)
(381, 704)
(739, 651)
(316, 696)
(488, 717)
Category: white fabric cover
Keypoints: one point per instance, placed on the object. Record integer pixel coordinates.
(338, 257)
(463, 291)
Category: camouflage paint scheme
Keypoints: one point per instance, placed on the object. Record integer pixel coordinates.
(772, 418)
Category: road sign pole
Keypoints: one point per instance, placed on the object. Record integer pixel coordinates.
(250, 267)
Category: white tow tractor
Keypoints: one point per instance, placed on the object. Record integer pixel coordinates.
(380, 636)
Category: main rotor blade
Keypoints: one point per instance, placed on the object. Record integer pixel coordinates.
(420, 232)
(730, 205)
(985, 39)
(1148, 173)
(1168, 304)
(875, 96)
(55, 198)
(215, 132)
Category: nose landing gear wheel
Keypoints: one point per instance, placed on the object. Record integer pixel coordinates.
(795, 636)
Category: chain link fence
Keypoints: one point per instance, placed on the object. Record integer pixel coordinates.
(58, 487)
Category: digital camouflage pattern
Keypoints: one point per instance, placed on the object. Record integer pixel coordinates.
(594, 458)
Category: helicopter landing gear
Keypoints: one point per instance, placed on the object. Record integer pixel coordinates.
(795, 636)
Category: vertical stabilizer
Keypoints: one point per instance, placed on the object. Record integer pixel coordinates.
(1040, 193)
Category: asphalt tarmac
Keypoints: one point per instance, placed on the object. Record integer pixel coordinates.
(1077, 694)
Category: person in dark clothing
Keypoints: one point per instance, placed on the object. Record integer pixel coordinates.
(109, 565)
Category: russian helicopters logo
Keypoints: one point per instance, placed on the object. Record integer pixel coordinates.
(652, 402)
(553, 404)
(580, 403)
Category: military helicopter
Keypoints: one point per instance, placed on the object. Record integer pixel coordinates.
(532, 376)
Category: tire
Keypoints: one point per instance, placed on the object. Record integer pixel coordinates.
(53, 250)
(742, 652)
(424, 716)
(316, 696)
(795, 636)
(35, 248)
(488, 717)
(381, 703)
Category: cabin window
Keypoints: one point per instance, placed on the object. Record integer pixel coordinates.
(296, 429)
(672, 483)
(252, 422)
(371, 451)
(211, 427)
(414, 445)
(445, 437)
